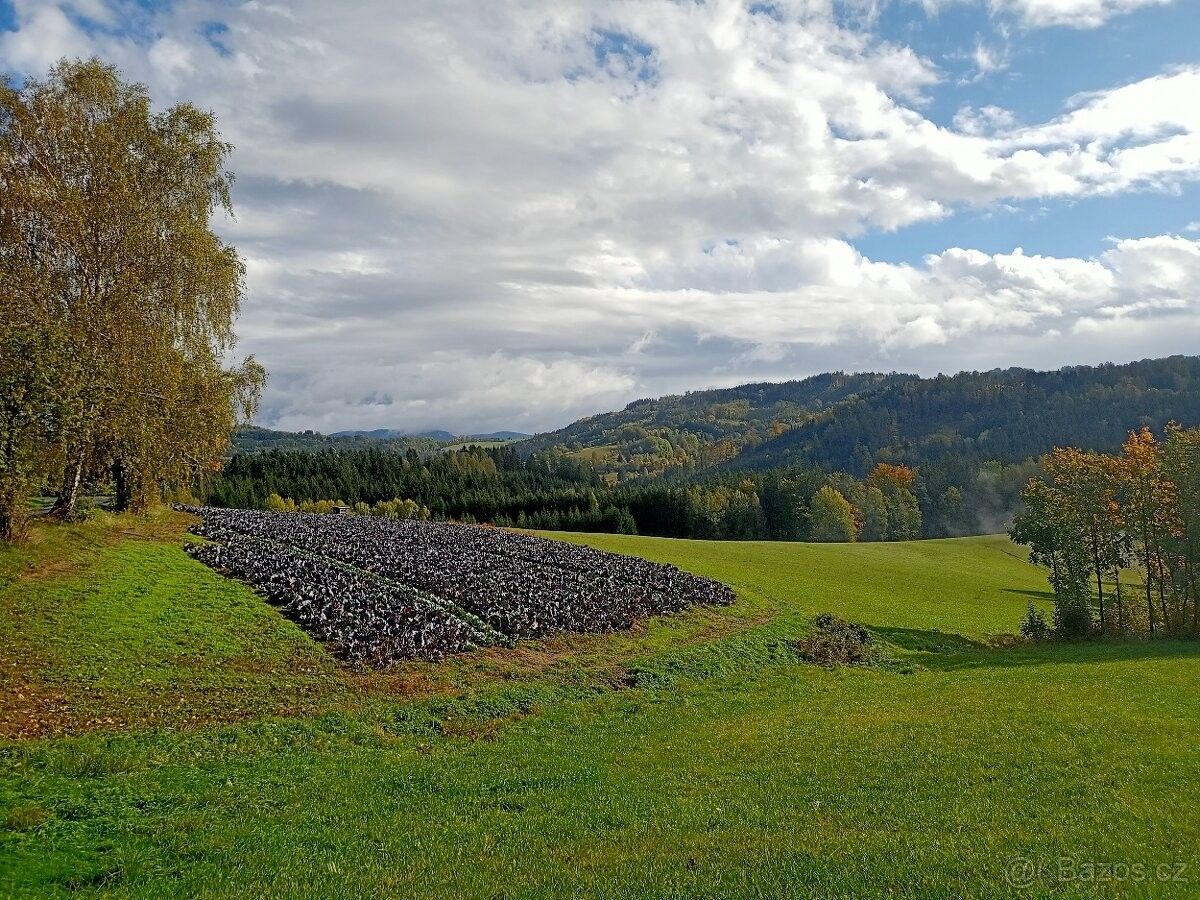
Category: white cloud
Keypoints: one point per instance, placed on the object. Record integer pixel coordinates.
(825, 292)
(988, 60)
(46, 35)
(1047, 13)
(1073, 13)
(426, 389)
(986, 120)
(510, 214)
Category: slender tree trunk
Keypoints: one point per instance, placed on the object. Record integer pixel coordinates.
(13, 516)
(11, 513)
(1195, 601)
(121, 486)
(1149, 588)
(1120, 601)
(1162, 593)
(1193, 559)
(68, 498)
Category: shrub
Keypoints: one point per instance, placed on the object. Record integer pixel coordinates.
(275, 503)
(1072, 619)
(1034, 626)
(832, 641)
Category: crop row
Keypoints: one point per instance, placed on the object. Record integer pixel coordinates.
(363, 618)
(507, 584)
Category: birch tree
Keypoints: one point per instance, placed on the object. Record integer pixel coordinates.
(107, 240)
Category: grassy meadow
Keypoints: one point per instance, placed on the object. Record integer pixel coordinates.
(164, 732)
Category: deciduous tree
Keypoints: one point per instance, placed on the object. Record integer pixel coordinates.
(130, 296)
(831, 517)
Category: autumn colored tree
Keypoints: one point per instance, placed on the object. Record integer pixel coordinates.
(1087, 486)
(1181, 471)
(1099, 514)
(886, 476)
(1145, 497)
(129, 296)
(1055, 540)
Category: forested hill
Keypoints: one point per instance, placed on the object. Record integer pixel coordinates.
(834, 457)
(1005, 415)
(841, 422)
(702, 429)
(252, 439)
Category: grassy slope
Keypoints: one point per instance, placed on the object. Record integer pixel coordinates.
(973, 586)
(110, 623)
(727, 768)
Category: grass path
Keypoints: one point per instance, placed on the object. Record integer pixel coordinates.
(693, 757)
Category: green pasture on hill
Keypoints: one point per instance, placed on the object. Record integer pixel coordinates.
(167, 733)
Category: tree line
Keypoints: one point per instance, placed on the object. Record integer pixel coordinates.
(118, 299)
(556, 491)
(1120, 535)
(477, 483)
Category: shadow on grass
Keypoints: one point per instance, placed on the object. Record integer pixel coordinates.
(928, 641)
(1062, 653)
(1048, 596)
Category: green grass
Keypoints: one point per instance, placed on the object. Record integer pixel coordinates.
(110, 623)
(694, 756)
(972, 586)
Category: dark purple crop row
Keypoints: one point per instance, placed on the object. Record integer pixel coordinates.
(386, 589)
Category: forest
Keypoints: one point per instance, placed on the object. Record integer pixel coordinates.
(557, 491)
(850, 422)
(882, 458)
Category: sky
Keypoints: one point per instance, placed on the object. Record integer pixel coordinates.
(512, 213)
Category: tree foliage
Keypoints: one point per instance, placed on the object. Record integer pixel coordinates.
(119, 298)
(831, 517)
(556, 491)
(1096, 516)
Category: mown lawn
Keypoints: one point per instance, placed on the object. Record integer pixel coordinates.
(693, 757)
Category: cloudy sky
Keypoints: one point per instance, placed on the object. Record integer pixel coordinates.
(512, 213)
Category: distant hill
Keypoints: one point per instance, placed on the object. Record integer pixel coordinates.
(702, 429)
(500, 436)
(747, 463)
(253, 439)
(1006, 415)
(384, 434)
(841, 422)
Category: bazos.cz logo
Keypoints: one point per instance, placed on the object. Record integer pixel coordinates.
(1023, 872)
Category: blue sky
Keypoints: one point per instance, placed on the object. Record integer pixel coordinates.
(1045, 68)
(503, 214)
